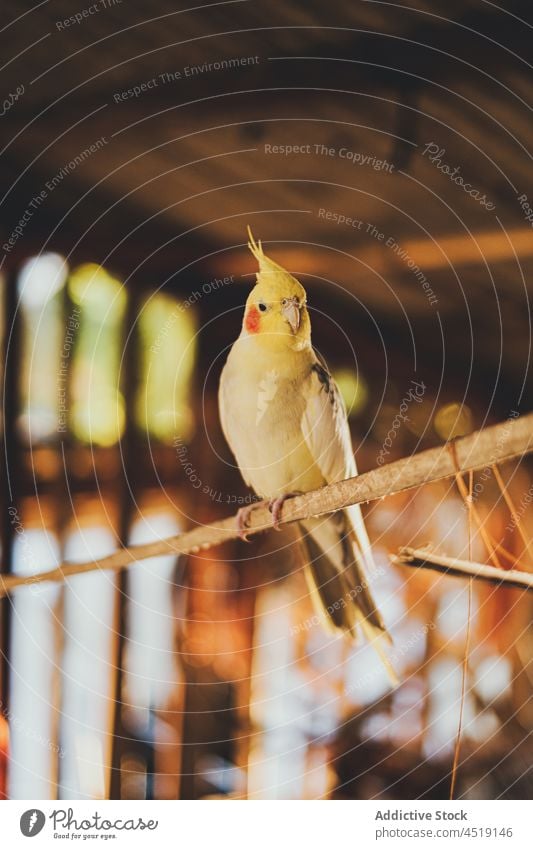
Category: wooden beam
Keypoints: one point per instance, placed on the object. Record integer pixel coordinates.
(490, 246)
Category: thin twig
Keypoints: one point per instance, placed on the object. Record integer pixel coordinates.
(495, 444)
(421, 558)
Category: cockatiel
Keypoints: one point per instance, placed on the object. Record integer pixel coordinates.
(286, 424)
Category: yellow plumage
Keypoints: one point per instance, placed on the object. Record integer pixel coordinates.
(286, 424)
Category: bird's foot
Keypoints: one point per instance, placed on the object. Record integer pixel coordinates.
(275, 506)
(243, 519)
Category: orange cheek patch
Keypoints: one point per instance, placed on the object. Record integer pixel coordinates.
(252, 320)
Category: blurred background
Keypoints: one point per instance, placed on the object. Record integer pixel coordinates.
(382, 154)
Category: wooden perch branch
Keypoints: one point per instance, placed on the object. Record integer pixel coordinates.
(479, 450)
(463, 568)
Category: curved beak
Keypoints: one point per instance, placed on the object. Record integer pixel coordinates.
(291, 313)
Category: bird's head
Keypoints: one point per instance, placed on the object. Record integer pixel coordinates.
(276, 312)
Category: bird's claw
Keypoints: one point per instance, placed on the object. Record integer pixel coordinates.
(275, 505)
(243, 518)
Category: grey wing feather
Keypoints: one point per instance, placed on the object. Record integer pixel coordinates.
(339, 567)
(325, 427)
(327, 433)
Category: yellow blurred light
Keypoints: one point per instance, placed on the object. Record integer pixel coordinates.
(168, 336)
(453, 420)
(101, 420)
(97, 412)
(354, 390)
(91, 286)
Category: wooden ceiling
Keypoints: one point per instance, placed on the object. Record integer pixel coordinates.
(362, 88)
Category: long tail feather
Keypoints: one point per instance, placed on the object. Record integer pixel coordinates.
(375, 637)
(338, 582)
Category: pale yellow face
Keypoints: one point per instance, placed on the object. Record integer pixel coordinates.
(276, 312)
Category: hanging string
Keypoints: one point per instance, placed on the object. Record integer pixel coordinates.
(512, 509)
(464, 676)
(473, 513)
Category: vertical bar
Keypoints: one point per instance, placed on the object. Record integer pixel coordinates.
(11, 465)
(248, 596)
(62, 509)
(130, 459)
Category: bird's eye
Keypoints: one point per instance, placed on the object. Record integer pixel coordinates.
(284, 302)
(262, 307)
